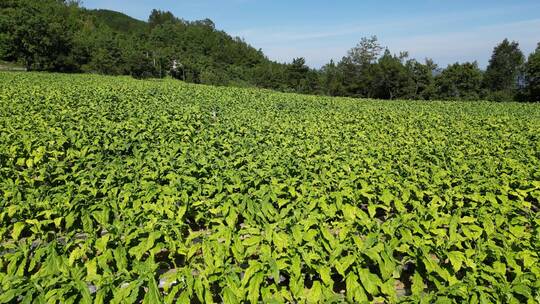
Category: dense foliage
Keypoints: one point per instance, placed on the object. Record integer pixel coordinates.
(117, 190)
(58, 35)
(532, 76)
(503, 71)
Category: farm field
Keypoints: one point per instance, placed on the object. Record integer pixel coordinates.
(114, 190)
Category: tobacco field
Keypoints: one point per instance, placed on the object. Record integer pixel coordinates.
(115, 190)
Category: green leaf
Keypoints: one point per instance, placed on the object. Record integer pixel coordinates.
(456, 259)
(344, 263)
(349, 212)
(522, 289)
(417, 287)
(499, 267)
(518, 231)
(252, 241)
(91, 270)
(370, 281)
(101, 243)
(76, 254)
(199, 289)
(372, 210)
(281, 240)
(254, 287)
(472, 231)
(386, 197)
(181, 212)
(229, 297)
(355, 292)
(324, 272)
(253, 268)
(8, 295)
(389, 289)
(85, 293)
(314, 294)
(310, 235)
(30, 163)
(17, 229)
(153, 294)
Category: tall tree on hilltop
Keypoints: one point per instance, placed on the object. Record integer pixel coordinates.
(358, 67)
(158, 17)
(366, 51)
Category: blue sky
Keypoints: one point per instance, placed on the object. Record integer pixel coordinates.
(444, 30)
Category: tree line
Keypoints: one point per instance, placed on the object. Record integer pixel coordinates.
(61, 36)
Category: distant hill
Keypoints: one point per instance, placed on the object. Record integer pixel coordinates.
(76, 39)
(118, 21)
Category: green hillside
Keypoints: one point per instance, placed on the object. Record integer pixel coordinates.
(62, 36)
(74, 39)
(115, 190)
(118, 21)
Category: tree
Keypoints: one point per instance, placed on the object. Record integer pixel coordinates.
(460, 82)
(366, 51)
(205, 23)
(392, 79)
(501, 76)
(108, 57)
(311, 83)
(422, 77)
(298, 72)
(139, 65)
(39, 33)
(532, 76)
(158, 17)
(331, 80)
(359, 68)
(269, 75)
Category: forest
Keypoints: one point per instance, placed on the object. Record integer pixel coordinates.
(63, 36)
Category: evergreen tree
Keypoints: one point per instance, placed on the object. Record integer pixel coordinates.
(298, 72)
